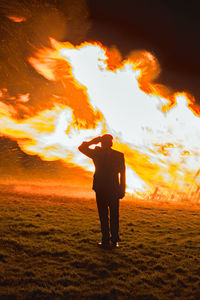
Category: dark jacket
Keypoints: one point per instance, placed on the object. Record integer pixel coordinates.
(109, 173)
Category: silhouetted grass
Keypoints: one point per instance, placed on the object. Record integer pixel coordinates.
(48, 251)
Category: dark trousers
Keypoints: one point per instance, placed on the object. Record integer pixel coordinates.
(108, 203)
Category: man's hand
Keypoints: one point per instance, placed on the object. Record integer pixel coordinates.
(85, 146)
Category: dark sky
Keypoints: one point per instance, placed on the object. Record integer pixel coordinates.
(169, 29)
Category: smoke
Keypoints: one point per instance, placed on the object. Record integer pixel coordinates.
(26, 27)
(16, 166)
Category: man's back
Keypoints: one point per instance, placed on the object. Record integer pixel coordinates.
(108, 164)
(109, 176)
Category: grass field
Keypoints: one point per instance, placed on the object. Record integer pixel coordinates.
(48, 250)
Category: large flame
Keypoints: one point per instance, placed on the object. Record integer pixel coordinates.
(158, 131)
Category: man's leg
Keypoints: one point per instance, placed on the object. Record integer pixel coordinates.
(103, 216)
(114, 220)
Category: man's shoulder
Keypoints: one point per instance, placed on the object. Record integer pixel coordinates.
(117, 153)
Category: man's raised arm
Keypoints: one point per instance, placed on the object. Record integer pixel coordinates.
(84, 147)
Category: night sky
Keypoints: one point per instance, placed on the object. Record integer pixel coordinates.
(169, 29)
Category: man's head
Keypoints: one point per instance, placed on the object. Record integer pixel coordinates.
(107, 141)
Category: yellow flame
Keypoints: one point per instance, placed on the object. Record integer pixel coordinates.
(158, 132)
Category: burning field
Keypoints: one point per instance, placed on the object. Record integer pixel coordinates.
(96, 91)
(67, 93)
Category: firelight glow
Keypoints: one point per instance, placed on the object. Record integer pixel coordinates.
(159, 132)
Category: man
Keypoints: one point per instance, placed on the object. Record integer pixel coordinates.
(109, 185)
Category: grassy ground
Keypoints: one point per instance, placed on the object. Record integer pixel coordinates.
(48, 251)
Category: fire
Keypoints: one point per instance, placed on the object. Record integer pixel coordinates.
(17, 19)
(158, 131)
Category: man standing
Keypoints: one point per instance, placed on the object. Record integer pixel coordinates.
(109, 185)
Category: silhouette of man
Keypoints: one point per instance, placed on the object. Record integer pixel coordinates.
(109, 185)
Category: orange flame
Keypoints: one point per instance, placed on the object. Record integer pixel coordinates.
(17, 19)
(158, 131)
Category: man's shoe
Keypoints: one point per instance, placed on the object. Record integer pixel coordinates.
(115, 244)
(105, 246)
